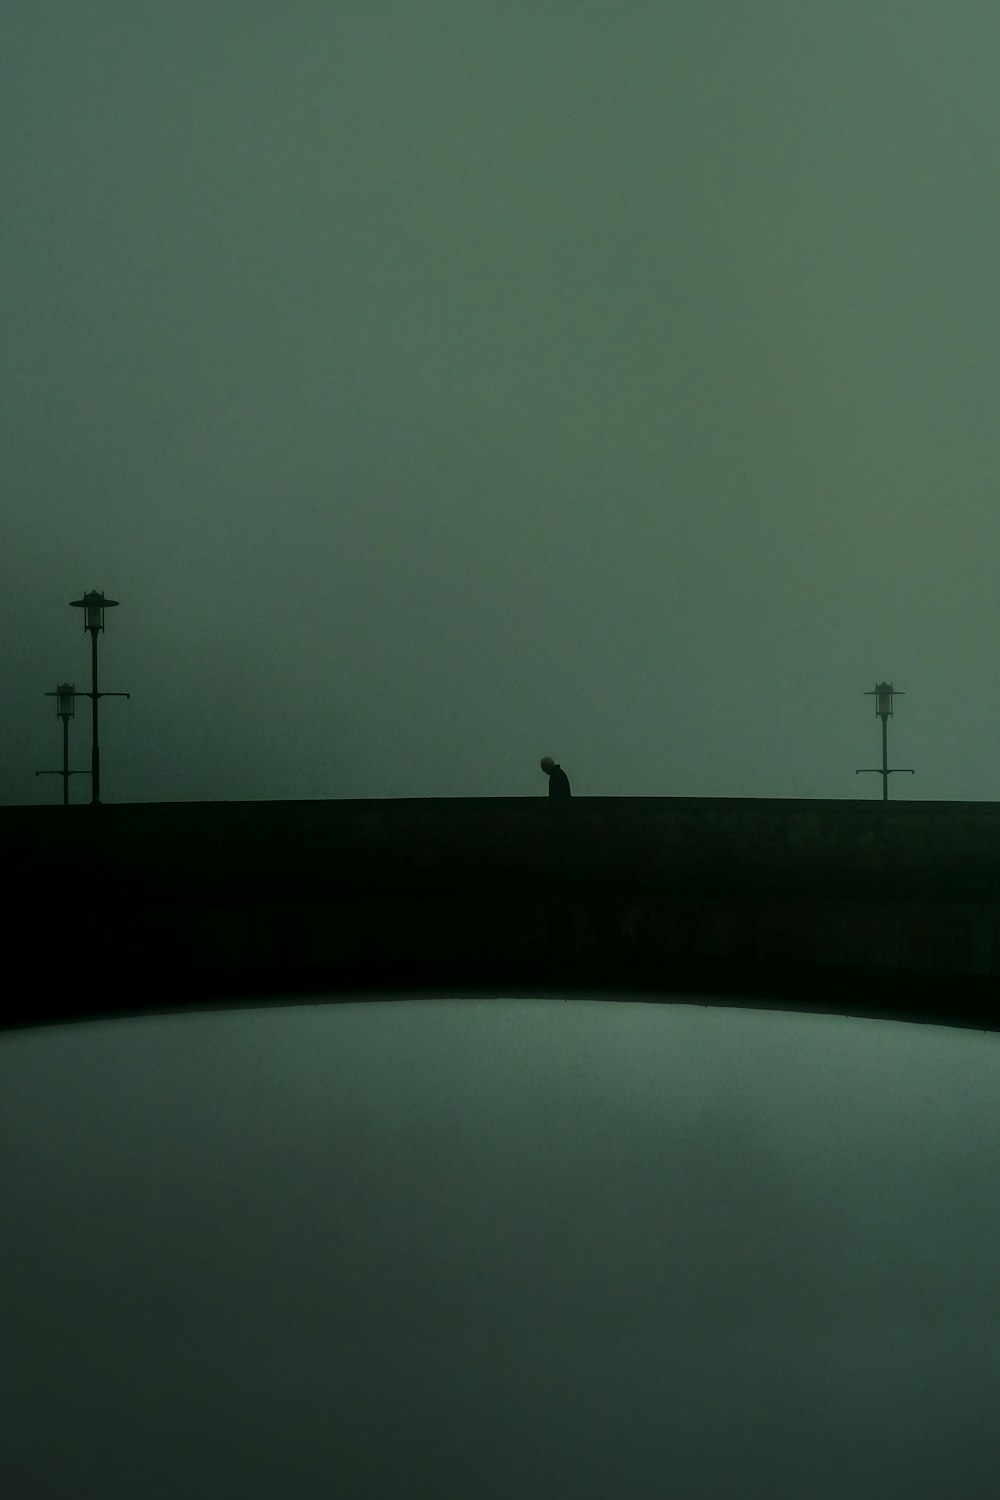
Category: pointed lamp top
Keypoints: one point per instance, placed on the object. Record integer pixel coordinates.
(65, 696)
(883, 693)
(93, 604)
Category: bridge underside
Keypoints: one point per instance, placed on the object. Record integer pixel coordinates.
(843, 907)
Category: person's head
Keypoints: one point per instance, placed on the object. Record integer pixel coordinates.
(548, 765)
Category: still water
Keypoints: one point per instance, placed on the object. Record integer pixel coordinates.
(510, 1248)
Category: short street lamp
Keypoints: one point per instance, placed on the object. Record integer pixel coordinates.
(883, 694)
(65, 696)
(93, 605)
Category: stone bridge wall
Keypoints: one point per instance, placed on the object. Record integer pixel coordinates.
(888, 909)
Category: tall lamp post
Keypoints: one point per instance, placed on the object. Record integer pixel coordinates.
(883, 695)
(65, 694)
(93, 605)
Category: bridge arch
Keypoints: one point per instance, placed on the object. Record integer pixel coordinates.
(856, 908)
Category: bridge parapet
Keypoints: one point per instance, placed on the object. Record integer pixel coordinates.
(199, 903)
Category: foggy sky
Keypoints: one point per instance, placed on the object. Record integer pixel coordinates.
(502, 1249)
(440, 386)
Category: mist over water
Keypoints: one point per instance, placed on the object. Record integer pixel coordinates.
(529, 1247)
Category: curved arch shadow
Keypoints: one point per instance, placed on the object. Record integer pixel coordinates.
(846, 908)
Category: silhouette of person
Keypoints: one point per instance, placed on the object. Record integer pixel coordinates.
(558, 780)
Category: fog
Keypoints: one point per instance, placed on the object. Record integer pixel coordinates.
(439, 387)
(526, 1248)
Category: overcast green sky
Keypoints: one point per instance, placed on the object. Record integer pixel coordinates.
(440, 385)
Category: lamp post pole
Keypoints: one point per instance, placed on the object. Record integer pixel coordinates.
(65, 769)
(95, 748)
(883, 694)
(93, 605)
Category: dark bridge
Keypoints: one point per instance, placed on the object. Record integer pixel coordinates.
(848, 907)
